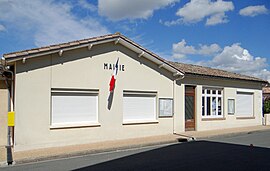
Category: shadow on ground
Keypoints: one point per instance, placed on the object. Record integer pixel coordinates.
(197, 155)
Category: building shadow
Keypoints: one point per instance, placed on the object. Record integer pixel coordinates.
(197, 155)
(110, 100)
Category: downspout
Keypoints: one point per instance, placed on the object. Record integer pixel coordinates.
(11, 109)
(174, 84)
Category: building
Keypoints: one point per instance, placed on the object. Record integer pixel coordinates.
(266, 92)
(62, 97)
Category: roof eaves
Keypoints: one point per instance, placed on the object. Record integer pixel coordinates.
(57, 46)
(152, 54)
(231, 78)
(14, 56)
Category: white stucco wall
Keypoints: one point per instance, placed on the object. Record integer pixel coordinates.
(83, 69)
(3, 120)
(230, 88)
(3, 113)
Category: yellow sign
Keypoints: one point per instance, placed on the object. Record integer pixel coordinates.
(11, 118)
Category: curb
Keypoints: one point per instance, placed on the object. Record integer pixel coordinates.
(89, 152)
(178, 139)
(231, 134)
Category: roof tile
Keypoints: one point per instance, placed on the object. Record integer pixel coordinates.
(74, 43)
(206, 71)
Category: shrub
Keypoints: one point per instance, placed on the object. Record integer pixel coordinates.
(266, 105)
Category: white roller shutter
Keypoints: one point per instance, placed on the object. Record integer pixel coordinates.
(244, 104)
(139, 108)
(74, 108)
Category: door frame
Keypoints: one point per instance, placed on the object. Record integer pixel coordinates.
(195, 98)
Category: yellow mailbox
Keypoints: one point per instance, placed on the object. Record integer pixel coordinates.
(11, 118)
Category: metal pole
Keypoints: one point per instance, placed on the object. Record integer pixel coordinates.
(10, 108)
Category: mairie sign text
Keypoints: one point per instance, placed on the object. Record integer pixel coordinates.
(108, 66)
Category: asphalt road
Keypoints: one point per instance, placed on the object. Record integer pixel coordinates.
(217, 153)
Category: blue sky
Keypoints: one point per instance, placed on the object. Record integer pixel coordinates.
(229, 35)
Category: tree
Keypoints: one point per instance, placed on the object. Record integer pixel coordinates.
(266, 105)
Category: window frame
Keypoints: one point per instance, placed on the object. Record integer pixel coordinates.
(73, 92)
(172, 106)
(211, 95)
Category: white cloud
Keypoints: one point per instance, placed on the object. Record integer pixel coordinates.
(253, 10)
(216, 19)
(171, 23)
(237, 59)
(130, 9)
(181, 49)
(48, 22)
(2, 28)
(232, 58)
(87, 5)
(197, 10)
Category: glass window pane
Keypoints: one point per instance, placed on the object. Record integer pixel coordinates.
(219, 106)
(219, 92)
(208, 106)
(214, 106)
(203, 91)
(208, 91)
(213, 91)
(203, 113)
(230, 106)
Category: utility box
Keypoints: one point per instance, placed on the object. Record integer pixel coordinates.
(11, 118)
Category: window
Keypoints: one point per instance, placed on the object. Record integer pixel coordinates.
(211, 103)
(231, 104)
(165, 107)
(74, 108)
(244, 104)
(139, 108)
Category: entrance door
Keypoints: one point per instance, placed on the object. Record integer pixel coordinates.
(189, 108)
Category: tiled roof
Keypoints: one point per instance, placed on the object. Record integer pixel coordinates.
(181, 67)
(206, 71)
(59, 46)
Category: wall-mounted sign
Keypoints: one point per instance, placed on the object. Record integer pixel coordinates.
(109, 66)
(165, 107)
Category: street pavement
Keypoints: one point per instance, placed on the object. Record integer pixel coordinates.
(258, 139)
(249, 151)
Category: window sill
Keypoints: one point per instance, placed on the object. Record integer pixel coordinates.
(64, 126)
(165, 117)
(247, 117)
(213, 119)
(140, 122)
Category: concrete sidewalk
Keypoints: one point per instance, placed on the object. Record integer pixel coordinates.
(77, 150)
(224, 132)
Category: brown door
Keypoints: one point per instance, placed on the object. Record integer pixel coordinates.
(189, 108)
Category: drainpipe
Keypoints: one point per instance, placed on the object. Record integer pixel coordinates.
(174, 83)
(11, 109)
(3, 70)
